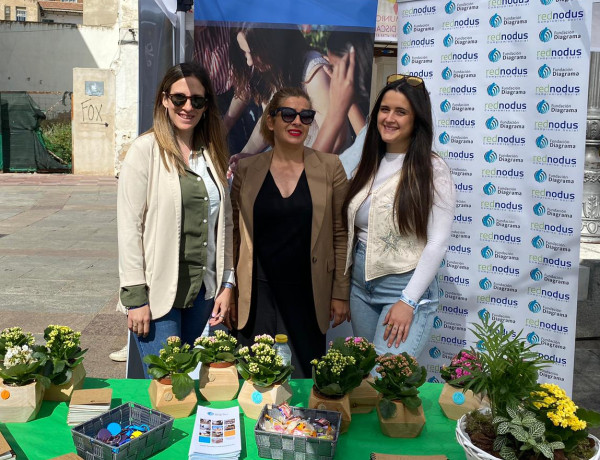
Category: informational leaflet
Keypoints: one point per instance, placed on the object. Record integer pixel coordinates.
(216, 434)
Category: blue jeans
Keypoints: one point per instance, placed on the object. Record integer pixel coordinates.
(185, 323)
(370, 302)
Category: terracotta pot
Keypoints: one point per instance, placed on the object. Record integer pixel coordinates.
(218, 381)
(339, 404)
(364, 397)
(163, 399)
(252, 397)
(63, 392)
(20, 404)
(406, 423)
(455, 403)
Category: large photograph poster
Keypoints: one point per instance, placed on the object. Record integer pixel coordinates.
(254, 48)
(508, 81)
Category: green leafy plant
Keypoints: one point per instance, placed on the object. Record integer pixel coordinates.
(507, 368)
(218, 348)
(20, 361)
(175, 360)
(335, 374)
(458, 372)
(400, 377)
(261, 364)
(360, 348)
(63, 353)
(57, 138)
(522, 431)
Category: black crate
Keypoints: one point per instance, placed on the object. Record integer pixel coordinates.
(289, 447)
(157, 438)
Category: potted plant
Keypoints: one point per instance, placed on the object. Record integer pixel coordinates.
(399, 410)
(364, 397)
(525, 420)
(64, 362)
(334, 376)
(172, 389)
(265, 376)
(22, 385)
(455, 400)
(218, 379)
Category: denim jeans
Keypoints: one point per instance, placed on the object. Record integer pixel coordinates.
(186, 323)
(370, 302)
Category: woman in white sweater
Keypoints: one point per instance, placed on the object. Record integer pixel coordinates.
(399, 211)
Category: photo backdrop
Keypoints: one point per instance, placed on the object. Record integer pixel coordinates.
(508, 81)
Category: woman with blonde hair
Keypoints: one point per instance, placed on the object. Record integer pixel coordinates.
(174, 217)
(289, 240)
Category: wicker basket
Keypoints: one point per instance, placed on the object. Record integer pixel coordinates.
(289, 447)
(157, 438)
(474, 453)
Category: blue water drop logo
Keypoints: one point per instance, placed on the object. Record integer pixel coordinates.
(544, 71)
(541, 142)
(540, 176)
(480, 345)
(538, 242)
(447, 73)
(435, 352)
(533, 338)
(407, 28)
(489, 188)
(485, 284)
(437, 322)
(443, 263)
(487, 252)
(483, 314)
(450, 7)
(496, 20)
(441, 293)
(448, 41)
(488, 221)
(536, 274)
(492, 123)
(543, 106)
(405, 59)
(490, 156)
(534, 306)
(493, 89)
(433, 379)
(546, 2)
(545, 35)
(539, 209)
(494, 55)
(444, 138)
(445, 106)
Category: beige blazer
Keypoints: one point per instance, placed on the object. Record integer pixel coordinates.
(149, 225)
(328, 185)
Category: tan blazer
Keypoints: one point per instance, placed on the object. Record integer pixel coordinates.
(149, 225)
(328, 185)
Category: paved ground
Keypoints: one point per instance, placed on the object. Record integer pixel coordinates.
(58, 265)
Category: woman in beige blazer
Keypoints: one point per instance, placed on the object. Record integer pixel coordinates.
(174, 217)
(289, 239)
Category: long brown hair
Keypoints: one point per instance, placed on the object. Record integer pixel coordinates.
(414, 195)
(208, 133)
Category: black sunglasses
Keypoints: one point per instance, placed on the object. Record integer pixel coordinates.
(179, 100)
(289, 115)
(410, 79)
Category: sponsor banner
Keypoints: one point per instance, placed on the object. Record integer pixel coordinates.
(508, 83)
(387, 20)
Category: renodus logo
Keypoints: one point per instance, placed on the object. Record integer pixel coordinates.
(459, 249)
(496, 21)
(418, 42)
(508, 37)
(502, 270)
(456, 310)
(460, 23)
(505, 3)
(456, 123)
(500, 106)
(405, 59)
(556, 125)
(515, 71)
(561, 53)
(419, 11)
(554, 16)
(539, 209)
(546, 326)
(435, 338)
(457, 280)
(456, 155)
(463, 90)
(545, 35)
(450, 7)
(554, 160)
(552, 90)
(490, 156)
(537, 242)
(544, 71)
(493, 237)
(487, 252)
(494, 205)
(550, 262)
(549, 294)
(558, 229)
(555, 359)
(465, 56)
(534, 306)
(502, 173)
(462, 219)
(552, 195)
(494, 55)
(493, 300)
(462, 187)
(542, 106)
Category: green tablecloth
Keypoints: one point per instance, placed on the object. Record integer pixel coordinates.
(49, 435)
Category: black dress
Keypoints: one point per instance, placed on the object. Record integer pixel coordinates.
(282, 297)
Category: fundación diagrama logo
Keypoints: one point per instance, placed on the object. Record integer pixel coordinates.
(492, 123)
(534, 306)
(487, 252)
(546, 2)
(448, 41)
(489, 189)
(485, 284)
(407, 28)
(536, 274)
(493, 89)
(490, 156)
(543, 107)
(483, 314)
(541, 142)
(544, 71)
(405, 59)
(445, 106)
(447, 73)
(545, 35)
(540, 176)
(435, 352)
(494, 55)
(437, 322)
(533, 338)
(538, 242)
(488, 221)
(450, 7)
(496, 20)
(444, 138)
(539, 209)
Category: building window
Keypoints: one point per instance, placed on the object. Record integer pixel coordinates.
(21, 14)
(7, 13)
